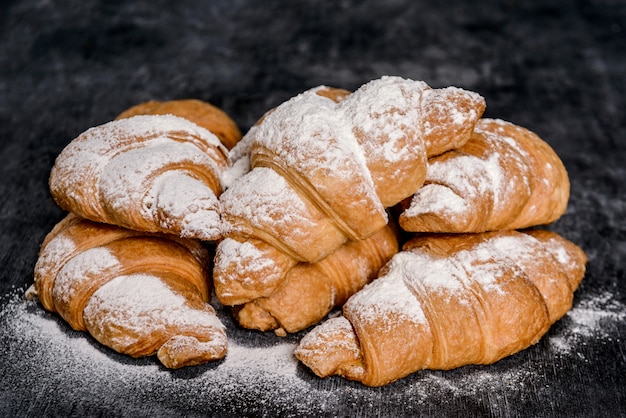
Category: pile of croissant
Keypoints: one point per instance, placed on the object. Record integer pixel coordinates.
(397, 202)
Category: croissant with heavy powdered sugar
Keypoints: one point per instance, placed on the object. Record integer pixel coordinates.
(447, 301)
(324, 169)
(137, 293)
(150, 172)
(504, 177)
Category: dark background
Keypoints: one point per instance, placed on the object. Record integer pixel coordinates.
(555, 67)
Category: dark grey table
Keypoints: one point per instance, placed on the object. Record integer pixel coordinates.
(557, 68)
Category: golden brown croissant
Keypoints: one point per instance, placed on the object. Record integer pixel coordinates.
(136, 293)
(447, 301)
(311, 290)
(153, 173)
(204, 114)
(504, 177)
(324, 171)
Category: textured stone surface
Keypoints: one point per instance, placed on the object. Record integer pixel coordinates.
(554, 67)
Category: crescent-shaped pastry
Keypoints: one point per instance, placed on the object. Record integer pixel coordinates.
(139, 294)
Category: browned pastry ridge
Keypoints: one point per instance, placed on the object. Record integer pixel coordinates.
(311, 290)
(504, 177)
(446, 301)
(203, 114)
(153, 173)
(325, 166)
(137, 293)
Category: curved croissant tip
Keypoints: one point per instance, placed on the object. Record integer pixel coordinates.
(251, 315)
(182, 350)
(436, 208)
(187, 205)
(332, 348)
(204, 225)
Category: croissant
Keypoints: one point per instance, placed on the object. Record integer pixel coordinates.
(137, 293)
(447, 301)
(324, 169)
(504, 177)
(203, 114)
(152, 173)
(310, 291)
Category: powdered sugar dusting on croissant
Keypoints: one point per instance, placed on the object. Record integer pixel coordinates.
(184, 203)
(292, 128)
(469, 176)
(245, 255)
(389, 107)
(115, 172)
(48, 262)
(310, 138)
(436, 274)
(462, 182)
(79, 271)
(263, 197)
(505, 177)
(137, 306)
(388, 297)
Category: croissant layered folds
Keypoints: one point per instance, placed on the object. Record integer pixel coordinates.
(153, 173)
(325, 169)
(447, 301)
(311, 290)
(137, 293)
(504, 177)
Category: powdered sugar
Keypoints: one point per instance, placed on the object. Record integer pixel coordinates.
(48, 366)
(493, 166)
(299, 131)
(135, 295)
(83, 267)
(389, 107)
(240, 158)
(309, 136)
(278, 360)
(486, 127)
(594, 318)
(234, 250)
(485, 267)
(57, 249)
(263, 197)
(387, 296)
(245, 257)
(467, 176)
(437, 199)
(123, 182)
(131, 308)
(435, 274)
(182, 203)
(462, 175)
